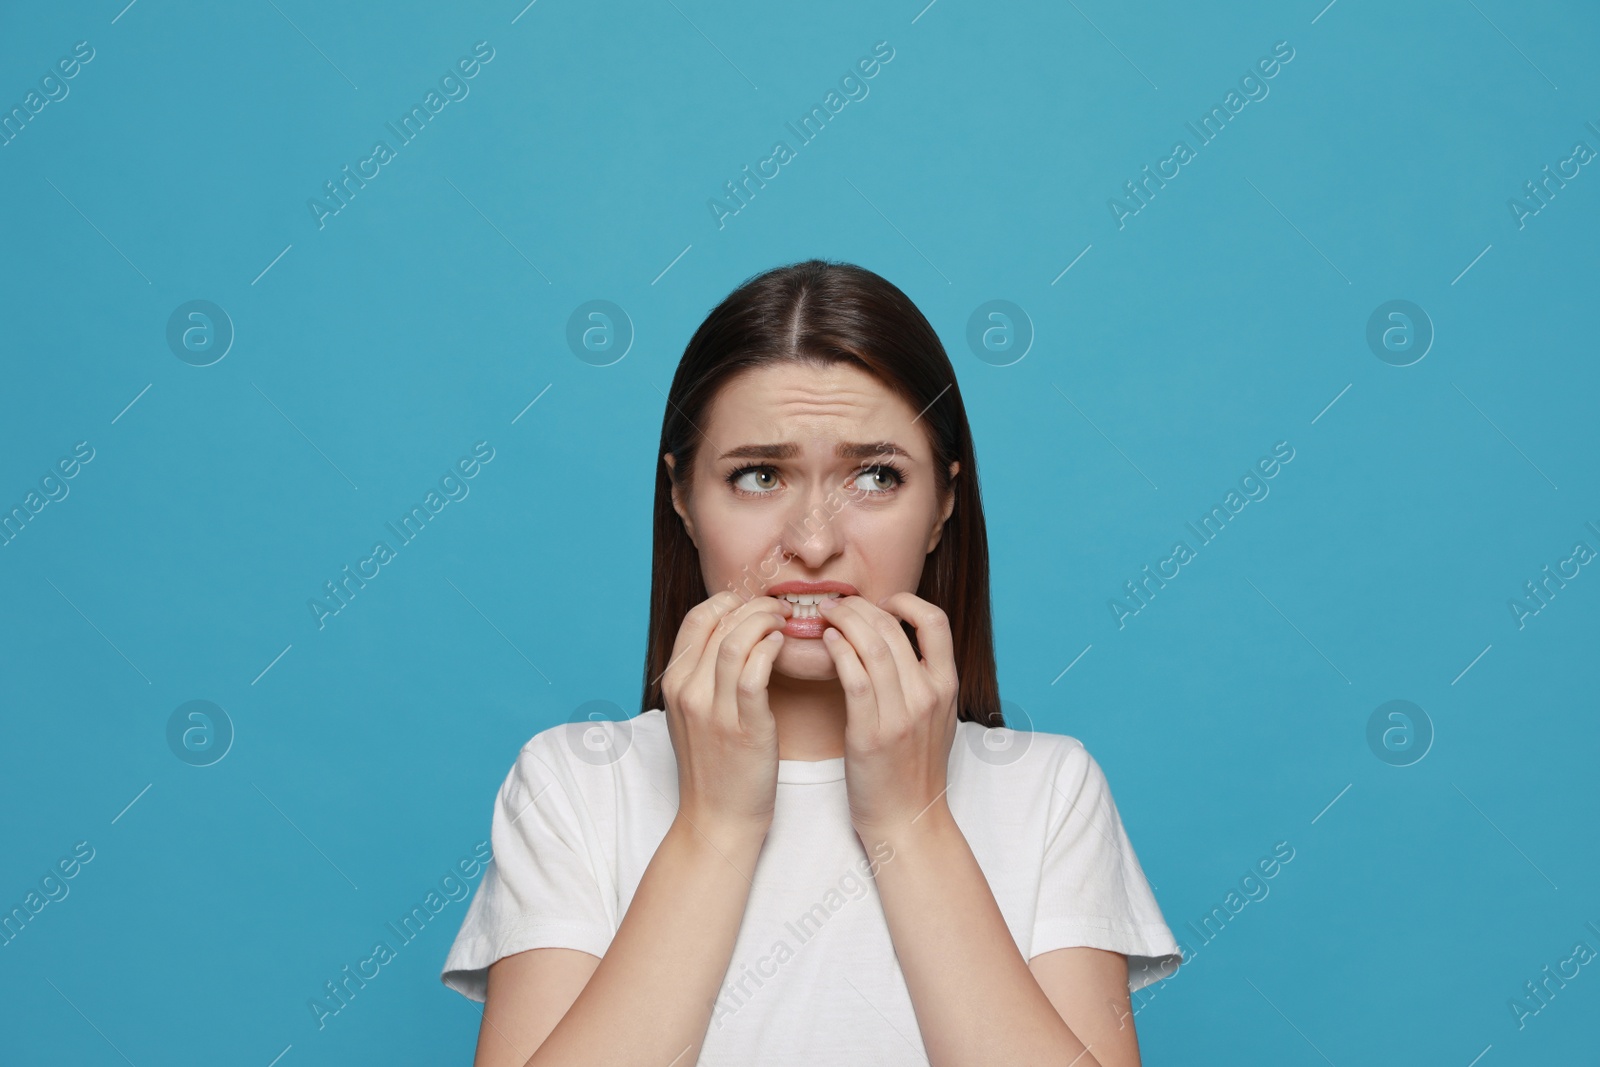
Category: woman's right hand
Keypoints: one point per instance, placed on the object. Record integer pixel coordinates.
(721, 726)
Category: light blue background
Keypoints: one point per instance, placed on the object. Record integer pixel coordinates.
(1227, 315)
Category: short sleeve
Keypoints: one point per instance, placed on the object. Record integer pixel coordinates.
(544, 887)
(1092, 891)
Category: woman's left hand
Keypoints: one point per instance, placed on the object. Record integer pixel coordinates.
(901, 711)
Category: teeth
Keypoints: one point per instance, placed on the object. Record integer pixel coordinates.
(806, 603)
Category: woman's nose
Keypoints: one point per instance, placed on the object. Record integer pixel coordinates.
(811, 531)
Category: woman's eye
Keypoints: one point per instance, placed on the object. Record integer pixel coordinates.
(877, 479)
(756, 479)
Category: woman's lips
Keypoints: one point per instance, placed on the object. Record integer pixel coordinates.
(809, 627)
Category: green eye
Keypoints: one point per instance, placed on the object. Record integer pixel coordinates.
(754, 480)
(886, 472)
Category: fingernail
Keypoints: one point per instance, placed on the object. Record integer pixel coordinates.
(825, 604)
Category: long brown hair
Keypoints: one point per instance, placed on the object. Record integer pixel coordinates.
(829, 312)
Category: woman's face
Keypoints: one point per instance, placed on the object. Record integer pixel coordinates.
(812, 474)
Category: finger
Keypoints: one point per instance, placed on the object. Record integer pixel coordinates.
(875, 653)
(693, 632)
(703, 675)
(733, 654)
(860, 703)
(933, 633)
(750, 692)
(888, 627)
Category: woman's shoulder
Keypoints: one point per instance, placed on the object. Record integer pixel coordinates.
(1022, 753)
(591, 743)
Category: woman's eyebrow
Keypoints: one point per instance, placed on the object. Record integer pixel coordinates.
(844, 450)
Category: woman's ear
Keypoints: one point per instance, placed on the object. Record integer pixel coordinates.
(949, 506)
(677, 498)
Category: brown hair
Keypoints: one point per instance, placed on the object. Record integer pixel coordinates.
(828, 312)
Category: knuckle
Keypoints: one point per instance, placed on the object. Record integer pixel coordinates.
(858, 687)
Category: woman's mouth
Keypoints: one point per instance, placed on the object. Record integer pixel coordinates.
(807, 620)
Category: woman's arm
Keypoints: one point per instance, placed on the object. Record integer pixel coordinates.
(648, 1001)
(976, 998)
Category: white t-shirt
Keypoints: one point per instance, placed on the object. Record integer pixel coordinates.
(586, 805)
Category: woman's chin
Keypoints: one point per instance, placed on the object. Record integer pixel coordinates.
(804, 659)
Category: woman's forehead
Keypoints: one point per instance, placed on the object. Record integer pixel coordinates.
(801, 401)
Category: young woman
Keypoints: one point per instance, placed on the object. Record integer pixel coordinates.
(817, 843)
